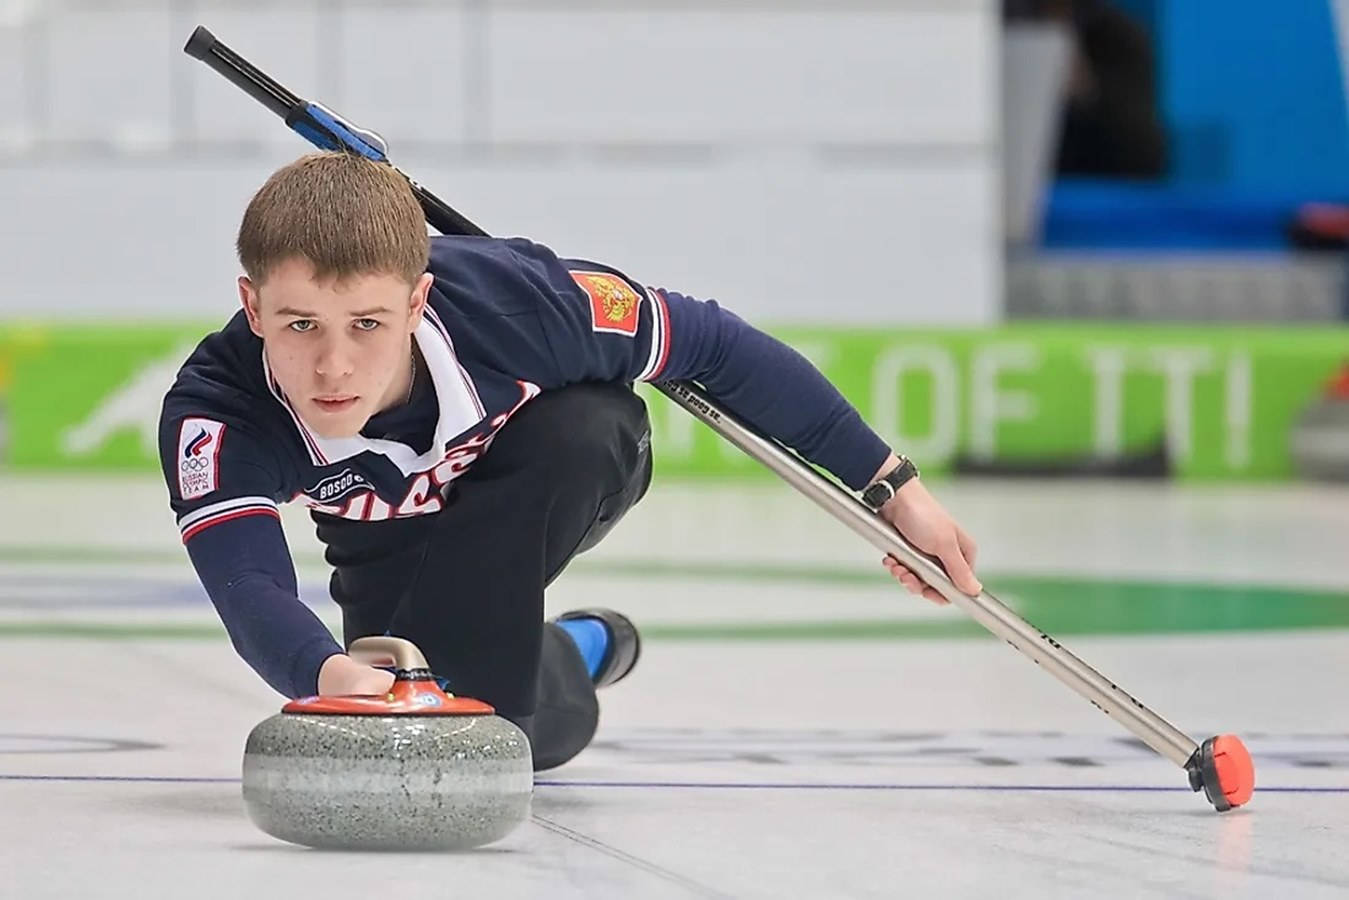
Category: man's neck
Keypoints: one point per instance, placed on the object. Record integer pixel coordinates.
(400, 392)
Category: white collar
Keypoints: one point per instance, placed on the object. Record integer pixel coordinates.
(460, 407)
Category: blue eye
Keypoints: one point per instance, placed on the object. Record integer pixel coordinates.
(301, 325)
(367, 324)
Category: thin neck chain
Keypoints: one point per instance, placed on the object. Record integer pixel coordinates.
(412, 380)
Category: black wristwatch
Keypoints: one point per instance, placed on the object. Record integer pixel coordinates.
(878, 493)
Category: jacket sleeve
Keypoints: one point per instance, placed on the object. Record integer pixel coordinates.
(603, 325)
(223, 487)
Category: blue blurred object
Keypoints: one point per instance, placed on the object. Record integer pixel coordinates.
(1256, 125)
(1253, 94)
(1158, 216)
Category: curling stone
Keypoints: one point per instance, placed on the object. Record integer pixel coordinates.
(1222, 768)
(414, 769)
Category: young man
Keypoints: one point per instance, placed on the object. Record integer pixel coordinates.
(458, 414)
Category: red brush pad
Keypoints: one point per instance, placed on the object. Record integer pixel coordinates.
(1236, 771)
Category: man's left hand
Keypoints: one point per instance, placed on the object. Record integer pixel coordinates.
(919, 517)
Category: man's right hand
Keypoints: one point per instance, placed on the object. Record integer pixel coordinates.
(340, 674)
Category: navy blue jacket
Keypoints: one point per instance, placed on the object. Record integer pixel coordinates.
(505, 320)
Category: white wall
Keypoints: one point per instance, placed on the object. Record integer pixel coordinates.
(800, 162)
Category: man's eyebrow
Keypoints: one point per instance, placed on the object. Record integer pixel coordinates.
(358, 314)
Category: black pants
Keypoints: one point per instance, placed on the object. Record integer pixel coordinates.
(466, 584)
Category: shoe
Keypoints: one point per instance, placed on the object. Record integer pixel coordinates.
(625, 644)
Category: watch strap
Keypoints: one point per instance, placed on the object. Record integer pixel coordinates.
(879, 492)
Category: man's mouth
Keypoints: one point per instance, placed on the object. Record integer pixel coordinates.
(335, 404)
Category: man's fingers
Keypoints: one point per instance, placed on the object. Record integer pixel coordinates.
(959, 569)
(967, 546)
(904, 576)
(967, 584)
(912, 583)
(917, 586)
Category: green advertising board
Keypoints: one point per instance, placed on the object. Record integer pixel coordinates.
(1222, 401)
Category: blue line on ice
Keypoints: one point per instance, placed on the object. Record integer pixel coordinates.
(735, 785)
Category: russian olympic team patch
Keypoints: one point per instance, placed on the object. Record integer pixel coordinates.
(613, 302)
(198, 457)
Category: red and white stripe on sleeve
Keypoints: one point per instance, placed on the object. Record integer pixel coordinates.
(198, 520)
(660, 337)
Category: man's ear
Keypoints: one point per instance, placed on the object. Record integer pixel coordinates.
(417, 303)
(248, 296)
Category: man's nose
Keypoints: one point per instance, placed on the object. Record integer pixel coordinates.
(334, 360)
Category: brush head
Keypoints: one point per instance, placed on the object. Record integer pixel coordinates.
(1223, 770)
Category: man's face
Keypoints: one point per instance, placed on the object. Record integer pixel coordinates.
(339, 350)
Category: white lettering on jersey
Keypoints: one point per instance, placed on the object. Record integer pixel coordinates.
(425, 494)
(336, 487)
(421, 498)
(378, 511)
(358, 507)
(460, 457)
(199, 457)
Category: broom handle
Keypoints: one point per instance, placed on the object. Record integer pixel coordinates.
(985, 609)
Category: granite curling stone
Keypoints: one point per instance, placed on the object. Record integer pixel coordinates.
(415, 769)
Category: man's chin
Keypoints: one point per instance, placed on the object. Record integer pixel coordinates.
(334, 426)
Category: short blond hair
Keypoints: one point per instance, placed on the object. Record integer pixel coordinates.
(345, 214)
